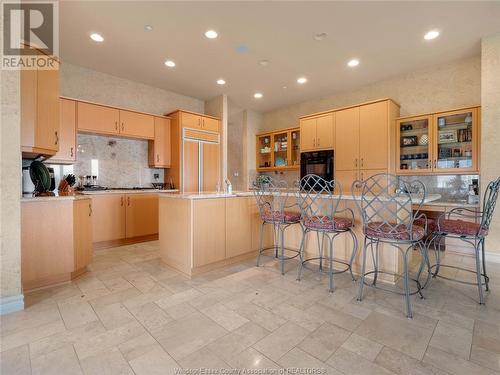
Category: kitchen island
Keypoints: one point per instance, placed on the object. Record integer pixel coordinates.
(202, 231)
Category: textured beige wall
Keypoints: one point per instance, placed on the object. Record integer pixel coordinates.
(86, 84)
(490, 130)
(236, 146)
(436, 88)
(10, 185)
(217, 107)
(253, 124)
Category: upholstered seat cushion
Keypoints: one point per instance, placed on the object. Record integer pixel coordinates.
(431, 224)
(277, 216)
(460, 228)
(326, 223)
(394, 231)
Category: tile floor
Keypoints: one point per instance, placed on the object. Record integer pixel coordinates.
(133, 315)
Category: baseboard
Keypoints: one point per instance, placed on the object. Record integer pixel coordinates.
(11, 304)
(492, 257)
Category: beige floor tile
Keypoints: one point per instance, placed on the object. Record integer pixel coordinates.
(144, 283)
(115, 297)
(114, 315)
(89, 283)
(26, 336)
(302, 318)
(402, 364)
(225, 317)
(60, 361)
(34, 316)
(485, 358)
(252, 359)
(397, 333)
(297, 358)
(117, 284)
(281, 340)
(323, 342)
(487, 336)
(180, 311)
(16, 361)
(182, 337)
(151, 316)
(178, 298)
(334, 316)
(235, 342)
(353, 364)
(107, 362)
(203, 358)
(210, 299)
(77, 314)
(362, 346)
(453, 364)
(156, 293)
(452, 339)
(261, 316)
(138, 346)
(268, 297)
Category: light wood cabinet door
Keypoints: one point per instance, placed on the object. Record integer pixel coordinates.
(373, 136)
(47, 123)
(209, 241)
(159, 150)
(67, 133)
(190, 166)
(97, 119)
(108, 217)
(82, 224)
(307, 134)
(345, 180)
(238, 226)
(210, 124)
(137, 125)
(190, 120)
(347, 139)
(141, 215)
(211, 170)
(325, 132)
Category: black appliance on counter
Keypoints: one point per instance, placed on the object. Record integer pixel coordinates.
(319, 163)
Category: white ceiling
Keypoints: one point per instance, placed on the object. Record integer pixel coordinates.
(386, 36)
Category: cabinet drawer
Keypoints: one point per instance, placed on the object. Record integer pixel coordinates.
(97, 119)
(189, 120)
(210, 124)
(138, 125)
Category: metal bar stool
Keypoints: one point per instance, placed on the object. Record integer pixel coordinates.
(450, 225)
(388, 217)
(321, 214)
(274, 201)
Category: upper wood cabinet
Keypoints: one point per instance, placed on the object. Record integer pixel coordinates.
(317, 133)
(141, 215)
(439, 143)
(67, 133)
(199, 121)
(347, 136)
(138, 125)
(95, 118)
(40, 110)
(159, 150)
(209, 123)
(279, 150)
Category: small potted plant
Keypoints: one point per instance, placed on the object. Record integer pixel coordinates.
(263, 180)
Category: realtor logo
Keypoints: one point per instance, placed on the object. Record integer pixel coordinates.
(29, 24)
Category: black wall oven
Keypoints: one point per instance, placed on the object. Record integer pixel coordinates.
(319, 163)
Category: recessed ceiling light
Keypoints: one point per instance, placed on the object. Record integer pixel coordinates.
(221, 82)
(433, 34)
(264, 62)
(302, 80)
(211, 34)
(169, 63)
(320, 36)
(352, 63)
(148, 27)
(96, 37)
(258, 95)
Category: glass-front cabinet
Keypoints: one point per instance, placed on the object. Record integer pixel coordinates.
(444, 142)
(279, 150)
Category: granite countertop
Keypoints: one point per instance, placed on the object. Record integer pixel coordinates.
(88, 194)
(30, 198)
(127, 191)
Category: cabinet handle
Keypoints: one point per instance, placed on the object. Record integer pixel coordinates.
(116, 125)
(128, 201)
(57, 137)
(202, 122)
(314, 142)
(90, 209)
(71, 152)
(121, 201)
(157, 158)
(362, 162)
(199, 122)
(435, 163)
(362, 176)
(318, 141)
(123, 126)
(356, 162)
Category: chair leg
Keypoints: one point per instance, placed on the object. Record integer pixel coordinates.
(363, 267)
(354, 252)
(478, 273)
(276, 236)
(282, 247)
(375, 262)
(301, 253)
(261, 242)
(320, 250)
(437, 251)
(425, 262)
(330, 260)
(486, 281)
(409, 313)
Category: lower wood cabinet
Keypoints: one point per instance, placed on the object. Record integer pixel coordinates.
(119, 216)
(209, 242)
(56, 240)
(238, 226)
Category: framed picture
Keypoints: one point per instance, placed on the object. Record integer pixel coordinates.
(447, 136)
(409, 141)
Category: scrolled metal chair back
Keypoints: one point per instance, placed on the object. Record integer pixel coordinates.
(273, 197)
(489, 203)
(316, 199)
(386, 204)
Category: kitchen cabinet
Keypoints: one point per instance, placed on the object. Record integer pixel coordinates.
(374, 136)
(279, 150)
(209, 241)
(211, 163)
(210, 124)
(159, 150)
(40, 110)
(317, 133)
(67, 134)
(199, 121)
(239, 231)
(345, 179)
(137, 125)
(347, 135)
(439, 143)
(141, 215)
(82, 221)
(99, 119)
(108, 219)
